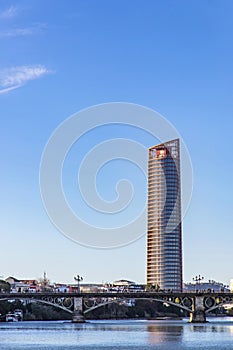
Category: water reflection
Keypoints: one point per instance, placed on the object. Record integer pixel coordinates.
(122, 335)
(224, 328)
(162, 333)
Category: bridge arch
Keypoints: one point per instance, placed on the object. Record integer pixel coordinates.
(41, 301)
(213, 303)
(117, 301)
(101, 305)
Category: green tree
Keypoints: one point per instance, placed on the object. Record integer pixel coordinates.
(4, 286)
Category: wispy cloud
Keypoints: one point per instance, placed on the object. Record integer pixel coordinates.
(15, 77)
(27, 31)
(16, 32)
(3, 91)
(8, 13)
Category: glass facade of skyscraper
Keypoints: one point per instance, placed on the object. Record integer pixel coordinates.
(164, 236)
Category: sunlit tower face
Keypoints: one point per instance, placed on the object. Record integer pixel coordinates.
(164, 236)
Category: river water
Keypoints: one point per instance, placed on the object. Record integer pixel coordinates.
(112, 335)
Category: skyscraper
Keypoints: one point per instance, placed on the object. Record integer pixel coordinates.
(164, 236)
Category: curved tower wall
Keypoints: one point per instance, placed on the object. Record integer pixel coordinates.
(164, 233)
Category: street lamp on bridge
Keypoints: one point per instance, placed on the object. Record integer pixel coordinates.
(78, 279)
(198, 280)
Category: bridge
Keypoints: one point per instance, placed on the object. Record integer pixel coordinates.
(198, 304)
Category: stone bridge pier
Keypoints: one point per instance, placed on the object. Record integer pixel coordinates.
(78, 315)
(198, 314)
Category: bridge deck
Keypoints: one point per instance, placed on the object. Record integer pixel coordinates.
(133, 295)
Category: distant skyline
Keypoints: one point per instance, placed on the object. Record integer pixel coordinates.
(58, 58)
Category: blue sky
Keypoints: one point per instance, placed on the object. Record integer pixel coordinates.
(58, 57)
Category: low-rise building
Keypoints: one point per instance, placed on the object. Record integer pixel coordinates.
(231, 285)
(22, 286)
(60, 287)
(210, 286)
